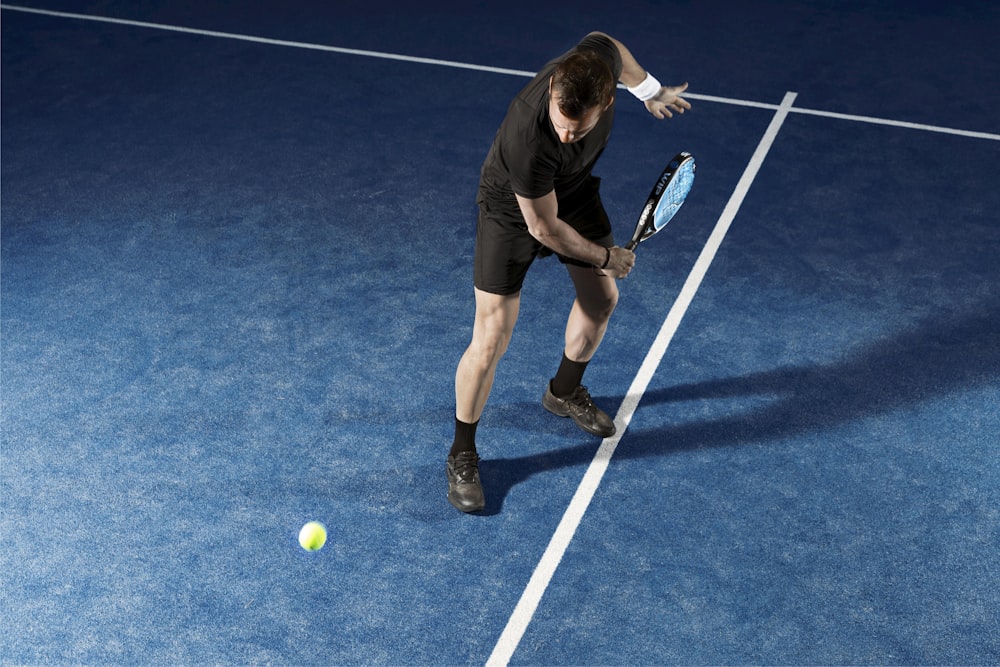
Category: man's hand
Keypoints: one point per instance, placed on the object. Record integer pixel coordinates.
(620, 263)
(668, 100)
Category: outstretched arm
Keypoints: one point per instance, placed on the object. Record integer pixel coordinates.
(661, 101)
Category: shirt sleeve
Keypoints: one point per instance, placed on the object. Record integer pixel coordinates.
(532, 174)
(531, 164)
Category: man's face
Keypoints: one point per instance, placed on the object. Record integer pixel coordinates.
(570, 130)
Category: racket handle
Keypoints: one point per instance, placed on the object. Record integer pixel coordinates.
(631, 245)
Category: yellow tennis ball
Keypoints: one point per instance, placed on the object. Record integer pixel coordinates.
(312, 537)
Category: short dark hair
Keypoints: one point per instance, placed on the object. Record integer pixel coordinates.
(583, 82)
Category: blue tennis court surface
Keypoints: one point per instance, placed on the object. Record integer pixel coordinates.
(236, 280)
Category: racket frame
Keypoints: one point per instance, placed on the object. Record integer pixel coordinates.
(644, 226)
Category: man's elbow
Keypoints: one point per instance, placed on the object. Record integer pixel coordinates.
(541, 230)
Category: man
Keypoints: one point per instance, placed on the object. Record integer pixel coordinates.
(537, 197)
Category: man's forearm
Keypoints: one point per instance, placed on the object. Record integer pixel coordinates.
(542, 217)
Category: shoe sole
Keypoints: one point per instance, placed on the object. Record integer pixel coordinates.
(466, 510)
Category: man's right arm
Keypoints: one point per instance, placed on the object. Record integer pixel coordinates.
(668, 99)
(542, 218)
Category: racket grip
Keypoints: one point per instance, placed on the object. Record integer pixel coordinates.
(631, 245)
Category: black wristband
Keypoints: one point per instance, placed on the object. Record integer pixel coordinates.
(607, 259)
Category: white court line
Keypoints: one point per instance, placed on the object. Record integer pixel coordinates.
(899, 123)
(265, 40)
(481, 68)
(532, 595)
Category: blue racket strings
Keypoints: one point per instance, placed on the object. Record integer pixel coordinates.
(675, 194)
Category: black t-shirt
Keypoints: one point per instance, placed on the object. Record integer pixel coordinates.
(527, 157)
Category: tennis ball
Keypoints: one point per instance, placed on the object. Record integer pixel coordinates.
(312, 537)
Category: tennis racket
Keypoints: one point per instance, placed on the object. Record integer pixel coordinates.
(668, 194)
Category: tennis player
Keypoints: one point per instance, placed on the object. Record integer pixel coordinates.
(537, 197)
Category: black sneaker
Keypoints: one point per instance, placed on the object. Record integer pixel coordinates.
(465, 491)
(578, 405)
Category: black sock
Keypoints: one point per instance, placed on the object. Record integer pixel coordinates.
(465, 438)
(568, 377)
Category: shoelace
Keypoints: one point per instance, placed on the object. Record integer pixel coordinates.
(581, 398)
(466, 466)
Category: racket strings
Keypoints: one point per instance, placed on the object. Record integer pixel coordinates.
(675, 194)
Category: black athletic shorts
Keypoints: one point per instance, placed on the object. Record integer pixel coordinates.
(505, 249)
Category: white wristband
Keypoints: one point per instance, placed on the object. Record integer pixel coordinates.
(646, 90)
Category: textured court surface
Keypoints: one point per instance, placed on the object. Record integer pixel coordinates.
(235, 282)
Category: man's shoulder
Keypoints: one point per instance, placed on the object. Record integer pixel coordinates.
(605, 48)
(535, 94)
(525, 122)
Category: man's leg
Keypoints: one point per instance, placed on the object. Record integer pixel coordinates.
(491, 333)
(596, 298)
(496, 316)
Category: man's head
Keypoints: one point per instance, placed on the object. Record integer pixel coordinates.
(580, 90)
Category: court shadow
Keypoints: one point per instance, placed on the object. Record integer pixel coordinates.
(939, 356)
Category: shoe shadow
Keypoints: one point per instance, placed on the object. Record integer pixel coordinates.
(501, 475)
(939, 356)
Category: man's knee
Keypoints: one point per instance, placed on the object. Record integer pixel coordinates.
(494, 326)
(489, 344)
(599, 305)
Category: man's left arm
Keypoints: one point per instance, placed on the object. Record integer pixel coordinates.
(661, 101)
